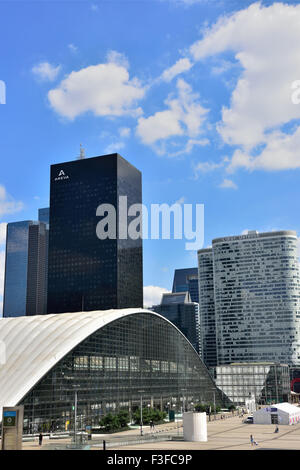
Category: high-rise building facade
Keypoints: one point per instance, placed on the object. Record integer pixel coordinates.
(207, 307)
(25, 282)
(186, 280)
(256, 298)
(86, 272)
(44, 215)
(183, 313)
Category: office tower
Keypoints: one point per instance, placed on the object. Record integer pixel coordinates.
(25, 282)
(256, 296)
(183, 313)
(186, 280)
(207, 307)
(44, 215)
(86, 272)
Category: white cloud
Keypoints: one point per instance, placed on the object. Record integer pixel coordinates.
(94, 7)
(45, 71)
(103, 89)
(184, 116)
(114, 147)
(153, 295)
(265, 42)
(182, 65)
(205, 167)
(7, 204)
(115, 57)
(124, 132)
(73, 48)
(228, 184)
(281, 152)
(3, 233)
(222, 67)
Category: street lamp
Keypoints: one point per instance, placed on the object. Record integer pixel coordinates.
(183, 400)
(76, 387)
(141, 411)
(214, 392)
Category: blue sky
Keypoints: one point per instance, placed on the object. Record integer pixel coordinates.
(196, 94)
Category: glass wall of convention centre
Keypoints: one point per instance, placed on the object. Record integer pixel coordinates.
(139, 355)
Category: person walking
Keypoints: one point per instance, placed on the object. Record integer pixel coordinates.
(151, 425)
(251, 440)
(40, 439)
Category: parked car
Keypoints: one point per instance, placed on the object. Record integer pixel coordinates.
(248, 420)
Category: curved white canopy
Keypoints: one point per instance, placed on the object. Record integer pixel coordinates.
(31, 346)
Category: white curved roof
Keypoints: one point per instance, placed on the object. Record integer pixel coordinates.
(31, 346)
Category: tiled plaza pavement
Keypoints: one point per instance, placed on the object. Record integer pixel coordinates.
(232, 434)
(229, 434)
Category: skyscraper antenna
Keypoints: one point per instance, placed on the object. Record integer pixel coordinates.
(82, 153)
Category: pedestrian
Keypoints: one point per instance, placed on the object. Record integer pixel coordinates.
(152, 425)
(251, 440)
(276, 429)
(40, 439)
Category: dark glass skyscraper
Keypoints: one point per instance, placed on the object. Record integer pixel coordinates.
(186, 280)
(183, 313)
(25, 283)
(44, 215)
(85, 272)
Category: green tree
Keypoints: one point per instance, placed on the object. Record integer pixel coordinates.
(123, 417)
(149, 414)
(110, 422)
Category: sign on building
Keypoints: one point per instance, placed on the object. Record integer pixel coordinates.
(12, 428)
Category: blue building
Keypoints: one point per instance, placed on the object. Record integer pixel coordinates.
(186, 280)
(25, 281)
(44, 215)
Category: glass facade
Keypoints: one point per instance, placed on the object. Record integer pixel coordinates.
(110, 368)
(16, 263)
(251, 284)
(86, 273)
(183, 313)
(25, 285)
(207, 307)
(268, 383)
(186, 280)
(256, 283)
(44, 215)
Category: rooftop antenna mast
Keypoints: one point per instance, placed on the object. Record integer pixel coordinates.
(82, 153)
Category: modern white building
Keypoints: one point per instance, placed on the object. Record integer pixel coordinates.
(255, 305)
(106, 357)
(280, 413)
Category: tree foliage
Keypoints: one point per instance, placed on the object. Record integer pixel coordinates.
(149, 414)
(111, 422)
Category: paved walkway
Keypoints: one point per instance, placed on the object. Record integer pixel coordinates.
(232, 434)
(229, 434)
